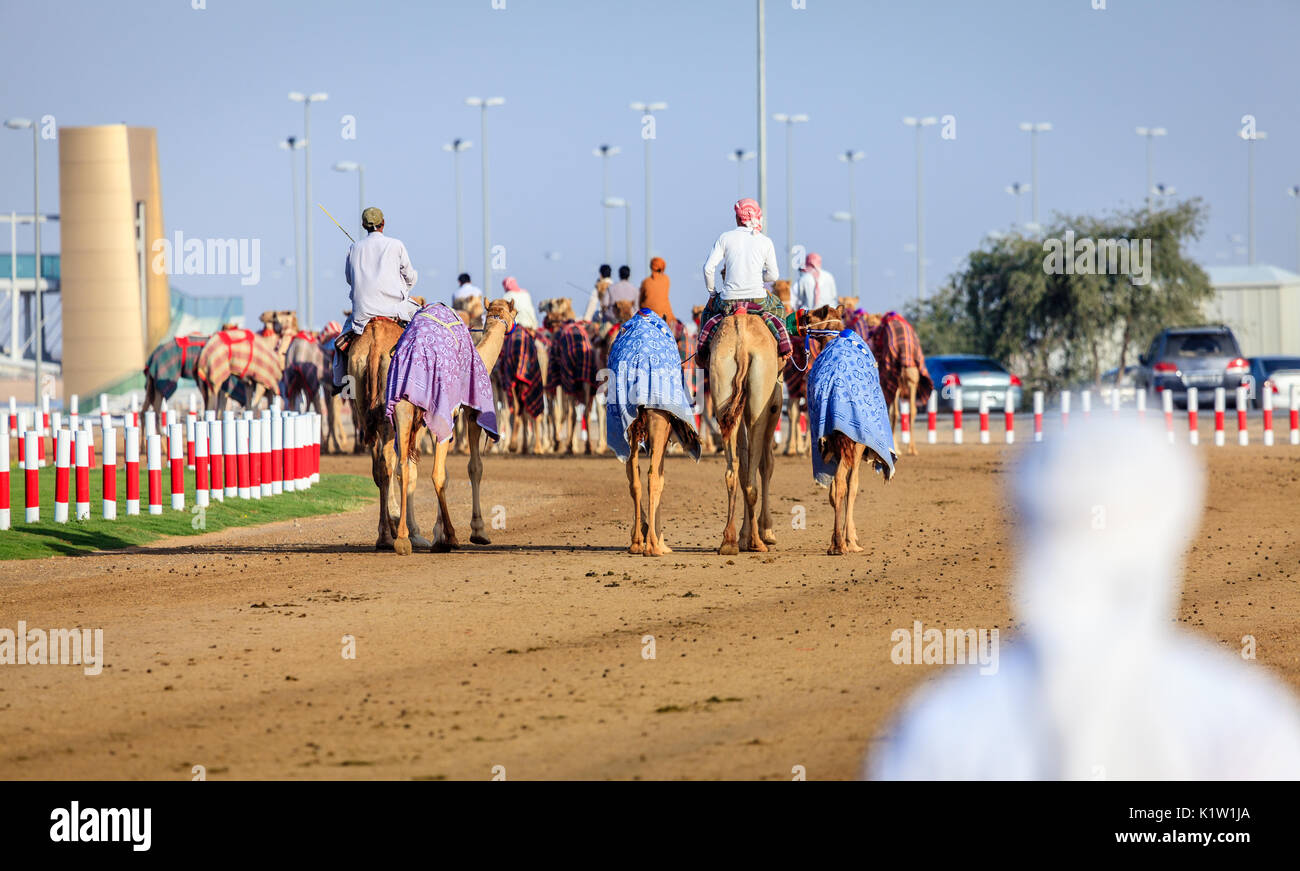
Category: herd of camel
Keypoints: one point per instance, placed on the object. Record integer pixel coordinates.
(741, 392)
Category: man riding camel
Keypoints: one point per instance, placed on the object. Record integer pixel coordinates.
(748, 259)
(381, 276)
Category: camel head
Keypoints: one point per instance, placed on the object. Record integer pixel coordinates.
(873, 320)
(268, 321)
(696, 311)
(559, 312)
(850, 304)
(502, 310)
(782, 290)
(284, 322)
(624, 309)
(827, 317)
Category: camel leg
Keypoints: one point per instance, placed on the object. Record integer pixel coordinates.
(839, 487)
(660, 431)
(587, 408)
(447, 539)
(792, 434)
(751, 462)
(767, 464)
(477, 529)
(730, 544)
(381, 470)
(913, 385)
(638, 544)
(850, 528)
(402, 415)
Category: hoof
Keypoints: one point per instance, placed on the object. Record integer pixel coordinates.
(418, 540)
(853, 548)
(384, 544)
(402, 547)
(912, 451)
(834, 551)
(757, 547)
(769, 537)
(728, 550)
(636, 547)
(480, 538)
(440, 547)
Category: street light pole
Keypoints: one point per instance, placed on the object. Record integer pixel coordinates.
(38, 340)
(1151, 133)
(1250, 183)
(919, 123)
(851, 157)
(647, 110)
(353, 166)
(739, 156)
(307, 100)
(456, 146)
(484, 105)
(789, 121)
(1034, 129)
(605, 152)
(292, 144)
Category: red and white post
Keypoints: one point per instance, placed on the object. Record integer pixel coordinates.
(5, 519)
(255, 459)
(154, 442)
(1065, 410)
(1141, 398)
(1193, 428)
(315, 447)
(1167, 405)
(176, 454)
(932, 418)
(289, 451)
(109, 470)
(190, 418)
(201, 467)
(956, 416)
(131, 444)
(984, 418)
(83, 474)
(1295, 414)
(229, 444)
(62, 472)
(216, 460)
(1243, 431)
(1038, 415)
(241, 456)
(1220, 406)
(1010, 417)
(43, 427)
(1085, 402)
(905, 421)
(1267, 401)
(32, 481)
(265, 425)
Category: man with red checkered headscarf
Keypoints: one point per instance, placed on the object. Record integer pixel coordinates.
(747, 259)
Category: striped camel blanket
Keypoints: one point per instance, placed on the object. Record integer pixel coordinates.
(519, 371)
(646, 372)
(173, 360)
(573, 359)
(895, 345)
(770, 309)
(240, 354)
(844, 395)
(437, 369)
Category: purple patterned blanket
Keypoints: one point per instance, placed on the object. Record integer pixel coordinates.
(436, 368)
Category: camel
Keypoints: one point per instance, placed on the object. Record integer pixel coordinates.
(602, 338)
(306, 369)
(743, 375)
(519, 386)
(171, 361)
(407, 420)
(710, 436)
(574, 361)
(898, 352)
(368, 359)
(235, 360)
(796, 369)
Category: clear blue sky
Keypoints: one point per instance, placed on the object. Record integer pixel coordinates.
(214, 84)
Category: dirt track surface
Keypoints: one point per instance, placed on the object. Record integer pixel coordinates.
(226, 650)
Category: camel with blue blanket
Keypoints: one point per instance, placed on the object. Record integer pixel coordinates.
(647, 401)
(848, 419)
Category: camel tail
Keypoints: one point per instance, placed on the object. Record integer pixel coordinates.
(730, 416)
(373, 414)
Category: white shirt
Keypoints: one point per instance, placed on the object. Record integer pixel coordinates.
(810, 293)
(525, 311)
(466, 291)
(748, 258)
(381, 276)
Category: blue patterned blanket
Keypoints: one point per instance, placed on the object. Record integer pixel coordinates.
(645, 371)
(844, 394)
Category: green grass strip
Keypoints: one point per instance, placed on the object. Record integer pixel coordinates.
(330, 495)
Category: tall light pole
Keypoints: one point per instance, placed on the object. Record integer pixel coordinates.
(1151, 133)
(762, 108)
(739, 156)
(1033, 129)
(605, 152)
(1016, 189)
(484, 105)
(919, 123)
(353, 166)
(456, 146)
(307, 100)
(38, 339)
(789, 121)
(851, 157)
(620, 203)
(647, 110)
(1250, 183)
(1294, 193)
(292, 144)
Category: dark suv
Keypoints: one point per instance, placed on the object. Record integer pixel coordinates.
(1200, 357)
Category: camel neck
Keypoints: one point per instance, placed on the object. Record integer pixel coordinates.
(489, 347)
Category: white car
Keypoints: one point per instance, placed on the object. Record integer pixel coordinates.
(1281, 373)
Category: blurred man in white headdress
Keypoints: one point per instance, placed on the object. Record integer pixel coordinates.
(1101, 683)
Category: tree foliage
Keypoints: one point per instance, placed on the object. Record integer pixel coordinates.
(1058, 327)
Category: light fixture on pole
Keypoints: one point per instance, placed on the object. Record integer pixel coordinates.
(739, 156)
(292, 144)
(919, 123)
(620, 203)
(1016, 189)
(851, 157)
(1294, 193)
(1251, 137)
(1151, 133)
(1163, 190)
(307, 100)
(484, 105)
(353, 166)
(1033, 129)
(605, 152)
(647, 110)
(789, 121)
(38, 339)
(456, 146)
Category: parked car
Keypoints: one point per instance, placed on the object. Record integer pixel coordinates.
(1281, 373)
(974, 375)
(1202, 357)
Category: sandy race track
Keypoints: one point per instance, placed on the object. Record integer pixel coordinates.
(226, 650)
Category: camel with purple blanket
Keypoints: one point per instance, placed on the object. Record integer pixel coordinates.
(436, 370)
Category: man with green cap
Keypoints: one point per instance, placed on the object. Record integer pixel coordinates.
(381, 276)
